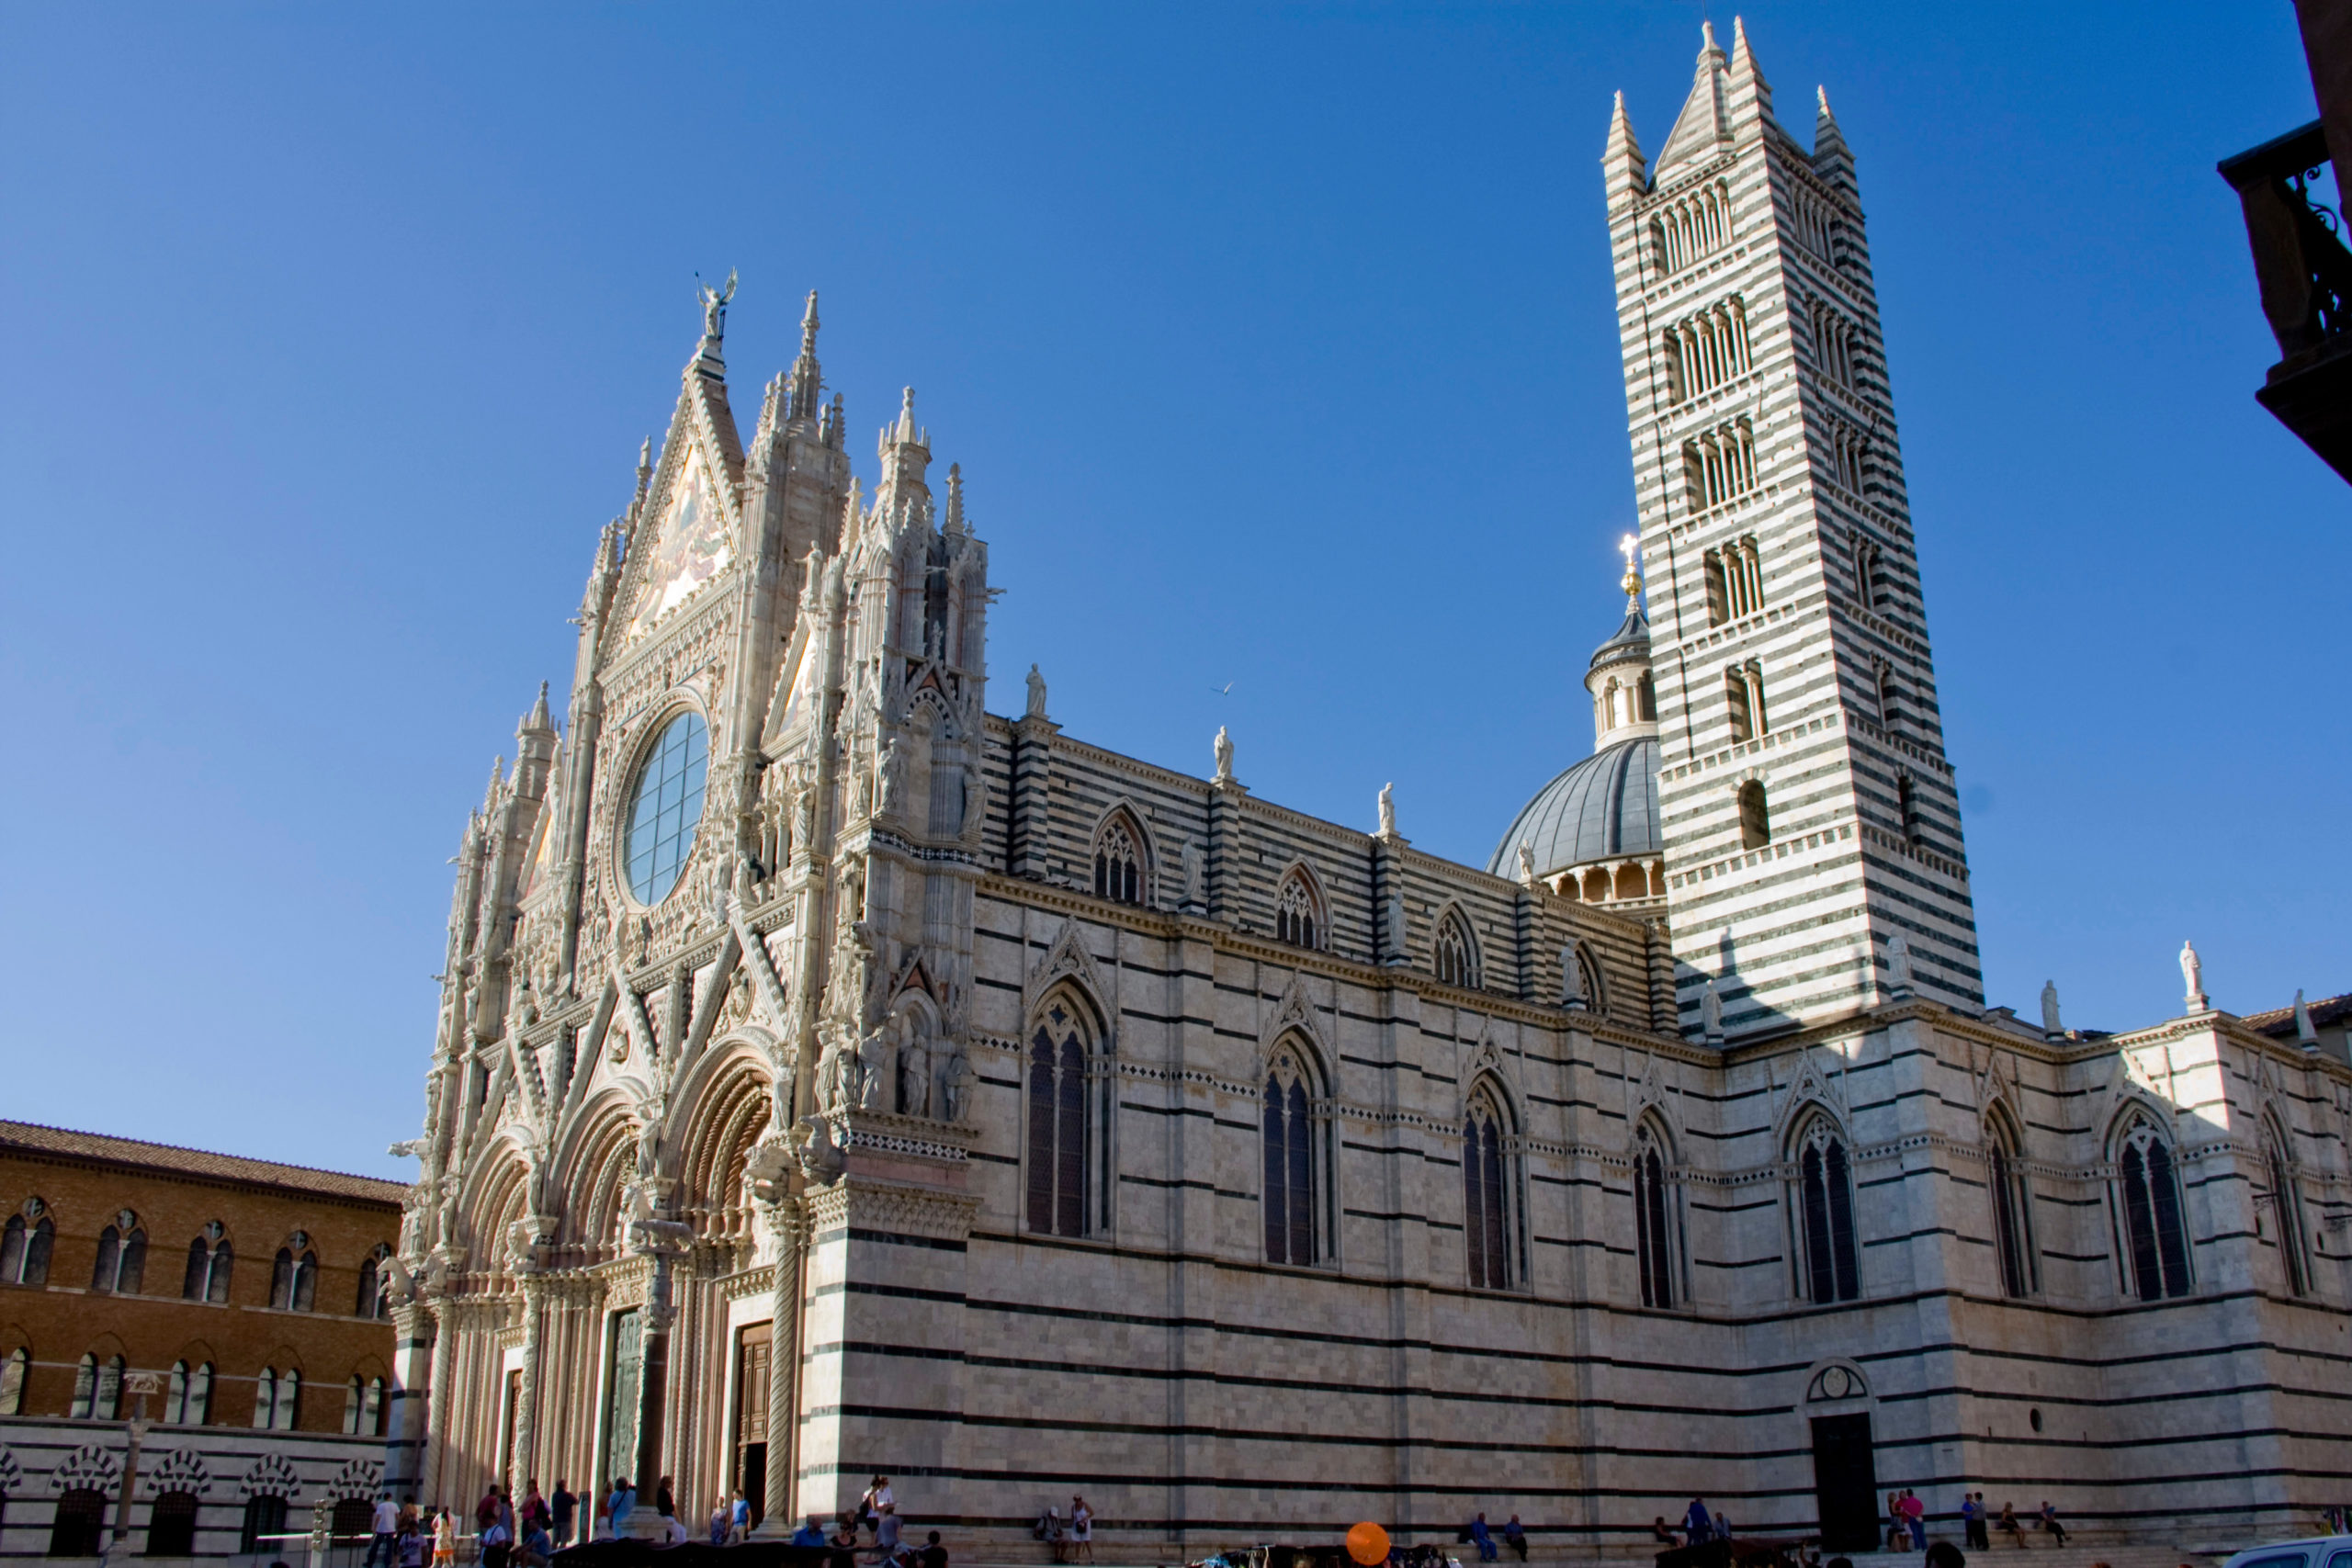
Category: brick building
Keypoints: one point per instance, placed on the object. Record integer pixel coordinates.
(254, 1290)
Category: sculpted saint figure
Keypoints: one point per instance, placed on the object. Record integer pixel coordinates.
(1526, 864)
(874, 1070)
(1710, 1012)
(956, 1084)
(1224, 747)
(1195, 873)
(1388, 810)
(1572, 992)
(1898, 961)
(914, 1070)
(2050, 1024)
(2192, 974)
(1036, 694)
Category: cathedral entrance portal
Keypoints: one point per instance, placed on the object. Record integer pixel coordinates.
(751, 1417)
(1845, 1483)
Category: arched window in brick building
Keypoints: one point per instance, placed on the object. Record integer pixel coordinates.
(375, 1283)
(121, 1265)
(25, 1245)
(294, 1279)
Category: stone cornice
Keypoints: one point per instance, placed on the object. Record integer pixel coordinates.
(895, 1207)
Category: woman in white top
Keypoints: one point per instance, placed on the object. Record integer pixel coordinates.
(1082, 1531)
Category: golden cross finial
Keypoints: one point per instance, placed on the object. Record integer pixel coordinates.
(1629, 546)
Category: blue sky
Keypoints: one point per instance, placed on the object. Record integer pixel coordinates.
(1278, 348)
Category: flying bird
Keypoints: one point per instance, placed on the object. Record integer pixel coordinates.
(1223, 691)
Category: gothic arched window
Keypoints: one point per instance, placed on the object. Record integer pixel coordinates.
(665, 807)
(2155, 1240)
(294, 1281)
(1288, 1140)
(122, 1264)
(1454, 952)
(97, 1388)
(1298, 914)
(1826, 1213)
(1059, 1102)
(1654, 1227)
(1744, 699)
(2287, 1208)
(1118, 865)
(2012, 1208)
(25, 1245)
(1487, 1213)
(1755, 818)
(374, 1280)
(11, 1381)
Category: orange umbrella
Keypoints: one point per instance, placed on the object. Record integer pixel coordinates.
(1368, 1544)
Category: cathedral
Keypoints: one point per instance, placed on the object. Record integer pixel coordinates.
(837, 1074)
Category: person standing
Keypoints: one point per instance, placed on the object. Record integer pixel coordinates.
(445, 1541)
(1915, 1519)
(739, 1521)
(560, 1507)
(1081, 1531)
(386, 1525)
(624, 1501)
(722, 1519)
(1895, 1532)
(1696, 1526)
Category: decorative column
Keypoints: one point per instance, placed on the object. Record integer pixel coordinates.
(1033, 763)
(662, 1243)
(789, 1222)
(526, 1244)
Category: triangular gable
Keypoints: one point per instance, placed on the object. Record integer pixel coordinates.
(795, 701)
(1067, 960)
(689, 531)
(1704, 124)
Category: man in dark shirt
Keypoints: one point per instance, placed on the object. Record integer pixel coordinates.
(560, 1507)
(933, 1555)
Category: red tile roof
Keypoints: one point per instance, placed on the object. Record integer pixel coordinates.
(2325, 1013)
(28, 1137)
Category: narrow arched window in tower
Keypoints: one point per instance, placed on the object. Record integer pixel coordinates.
(1454, 954)
(1866, 574)
(1486, 1210)
(2012, 1213)
(1059, 1105)
(1826, 1203)
(1297, 915)
(1744, 698)
(2156, 1243)
(1890, 710)
(1755, 821)
(1287, 1147)
(1118, 875)
(1718, 588)
(1653, 1232)
(2288, 1210)
(1906, 806)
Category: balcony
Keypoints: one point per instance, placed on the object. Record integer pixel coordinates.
(2305, 274)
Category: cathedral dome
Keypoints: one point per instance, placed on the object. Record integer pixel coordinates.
(1603, 809)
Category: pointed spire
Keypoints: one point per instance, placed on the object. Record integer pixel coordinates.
(539, 719)
(1625, 172)
(1704, 123)
(1832, 159)
(644, 474)
(1747, 77)
(497, 780)
(807, 378)
(2305, 1035)
(955, 519)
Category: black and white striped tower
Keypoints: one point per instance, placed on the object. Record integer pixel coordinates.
(1810, 817)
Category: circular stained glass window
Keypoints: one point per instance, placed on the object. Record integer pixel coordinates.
(665, 807)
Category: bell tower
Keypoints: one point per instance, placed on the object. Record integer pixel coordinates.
(1814, 862)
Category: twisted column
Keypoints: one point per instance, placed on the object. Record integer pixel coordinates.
(789, 1221)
